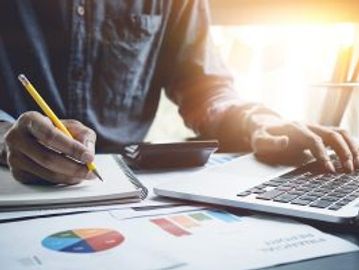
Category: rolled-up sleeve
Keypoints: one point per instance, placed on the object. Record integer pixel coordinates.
(196, 78)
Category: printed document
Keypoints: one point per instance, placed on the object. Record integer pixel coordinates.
(196, 238)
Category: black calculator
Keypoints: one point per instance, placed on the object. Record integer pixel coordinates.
(149, 156)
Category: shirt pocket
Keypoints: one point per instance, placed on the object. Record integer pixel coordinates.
(123, 60)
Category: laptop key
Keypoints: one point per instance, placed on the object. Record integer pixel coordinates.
(332, 185)
(330, 198)
(350, 198)
(324, 190)
(347, 189)
(272, 184)
(335, 207)
(285, 198)
(352, 185)
(310, 198)
(316, 194)
(342, 203)
(244, 194)
(269, 195)
(280, 180)
(303, 189)
(325, 178)
(298, 181)
(289, 185)
(258, 191)
(284, 188)
(321, 204)
(296, 192)
(311, 185)
(337, 194)
(299, 201)
(345, 177)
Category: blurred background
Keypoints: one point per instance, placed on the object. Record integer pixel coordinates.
(277, 50)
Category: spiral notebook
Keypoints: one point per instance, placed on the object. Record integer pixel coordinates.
(120, 185)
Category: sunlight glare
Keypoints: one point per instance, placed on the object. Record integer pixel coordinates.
(274, 64)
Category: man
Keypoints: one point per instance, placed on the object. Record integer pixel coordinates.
(104, 64)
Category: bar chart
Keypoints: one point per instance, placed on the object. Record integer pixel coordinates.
(184, 224)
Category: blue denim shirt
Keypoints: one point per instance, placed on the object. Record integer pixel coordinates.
(104, 63)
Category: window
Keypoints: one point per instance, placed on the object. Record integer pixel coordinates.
(277, 63)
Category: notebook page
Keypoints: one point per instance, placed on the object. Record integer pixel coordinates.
(115, 186)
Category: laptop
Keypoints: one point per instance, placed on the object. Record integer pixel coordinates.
(306, 192)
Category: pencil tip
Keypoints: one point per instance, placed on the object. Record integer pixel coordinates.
(97, 174)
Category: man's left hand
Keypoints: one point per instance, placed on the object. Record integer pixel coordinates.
(271, 137)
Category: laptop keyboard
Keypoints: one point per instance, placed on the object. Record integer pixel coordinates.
(306, 186)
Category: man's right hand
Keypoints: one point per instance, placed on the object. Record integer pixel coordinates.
(36, 149)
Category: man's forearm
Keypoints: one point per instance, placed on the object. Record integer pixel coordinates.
(238, 123)
(4, 127)
(213, 110)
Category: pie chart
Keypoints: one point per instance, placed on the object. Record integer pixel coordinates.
(87, 240)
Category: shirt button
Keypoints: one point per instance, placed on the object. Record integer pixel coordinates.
(80, 10)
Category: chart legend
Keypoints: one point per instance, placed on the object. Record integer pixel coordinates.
(83, 240)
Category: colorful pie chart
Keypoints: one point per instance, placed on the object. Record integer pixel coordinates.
(83, 240)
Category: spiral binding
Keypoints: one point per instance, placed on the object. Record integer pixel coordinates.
(131, 176)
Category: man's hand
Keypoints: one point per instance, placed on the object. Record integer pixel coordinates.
(272, 137)
(35, 149)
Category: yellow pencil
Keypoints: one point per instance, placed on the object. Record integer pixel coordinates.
(55, 120)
